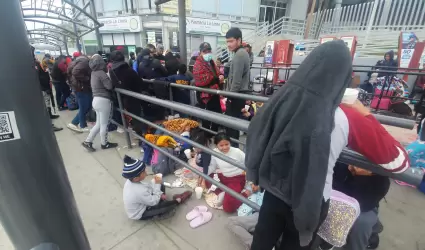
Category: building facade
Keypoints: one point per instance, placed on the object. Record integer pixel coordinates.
(134, 23)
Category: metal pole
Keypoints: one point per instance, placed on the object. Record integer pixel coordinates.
(77, 40)
(37, 204)
(124, 122)
(66, 45)
(182, 30)
(94, 14)
(348, 156)
(182, 138)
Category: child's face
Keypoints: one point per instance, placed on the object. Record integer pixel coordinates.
(141, 177)
(223, 146)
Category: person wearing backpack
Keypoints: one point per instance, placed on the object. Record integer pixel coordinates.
(79, 76)
(59, 75)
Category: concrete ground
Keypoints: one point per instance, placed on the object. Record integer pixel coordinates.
(97, 184)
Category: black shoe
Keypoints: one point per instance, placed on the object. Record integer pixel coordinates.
(373, 241)
(54, 116)
(109, 145)
(88, 146)
(56, 129)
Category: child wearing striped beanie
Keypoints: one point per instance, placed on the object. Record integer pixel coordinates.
(145, 199)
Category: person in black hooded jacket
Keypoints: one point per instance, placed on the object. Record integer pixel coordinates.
(289, 149)
(124, 77)
(388, 64)
(149, 67)
(172, 64)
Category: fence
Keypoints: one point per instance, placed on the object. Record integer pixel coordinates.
(347, 156)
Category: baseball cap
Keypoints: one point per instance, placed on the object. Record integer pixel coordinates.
(204, 46)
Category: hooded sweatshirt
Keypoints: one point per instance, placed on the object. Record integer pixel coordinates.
(79, 73)
(150, 68)
(288, 144)
(295, 140)
(100, 83)
(390, 65)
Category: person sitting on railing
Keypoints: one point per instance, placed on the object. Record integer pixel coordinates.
(295, 140)
(231, 176)
(143, 199)
(206, 75)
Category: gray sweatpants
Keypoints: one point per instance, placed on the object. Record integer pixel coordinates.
(103, 108)
(243, 227)
(358, 238)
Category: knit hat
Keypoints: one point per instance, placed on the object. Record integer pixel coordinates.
(76, 54)
(132, 167)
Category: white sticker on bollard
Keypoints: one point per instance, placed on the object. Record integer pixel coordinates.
(8, 128)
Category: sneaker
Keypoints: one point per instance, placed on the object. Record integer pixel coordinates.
(74, 128)
(373, 241)
(54, 117)
(56, 129)
(184, 196)
(88, 146)
(109, 145)
(83, 130)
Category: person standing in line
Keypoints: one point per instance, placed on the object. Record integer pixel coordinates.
(131, 59)
(206, 75)
(59, 75)
(159, 52)
(238, 79)
(295, 140)
(79, 76)
(102, 87)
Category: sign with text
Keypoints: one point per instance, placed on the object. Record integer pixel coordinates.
(194, 25)
(121, 24)
(406, 47)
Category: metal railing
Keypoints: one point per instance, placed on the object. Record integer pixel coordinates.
(347, 156)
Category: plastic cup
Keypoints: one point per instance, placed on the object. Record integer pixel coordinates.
(246, 108)
(188, 153)
(198, 192)
(159, 176)
(350, 96)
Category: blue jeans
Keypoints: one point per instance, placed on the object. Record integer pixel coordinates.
(84, 100)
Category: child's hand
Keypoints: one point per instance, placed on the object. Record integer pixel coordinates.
(163, 197)
(158, 180)
(255, 188)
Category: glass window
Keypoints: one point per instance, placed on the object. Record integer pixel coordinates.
(281, 5)
(262, 14)
(279, 13)
(269, 2)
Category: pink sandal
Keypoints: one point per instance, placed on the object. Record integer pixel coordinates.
(202, 219)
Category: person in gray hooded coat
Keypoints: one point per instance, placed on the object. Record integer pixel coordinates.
(289, 150)
(101, 86)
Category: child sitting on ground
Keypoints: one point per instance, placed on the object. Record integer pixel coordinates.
(144, 199)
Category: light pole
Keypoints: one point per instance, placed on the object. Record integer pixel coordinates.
(37, 208)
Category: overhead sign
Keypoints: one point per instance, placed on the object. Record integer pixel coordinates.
(121, 24)
(194, 25)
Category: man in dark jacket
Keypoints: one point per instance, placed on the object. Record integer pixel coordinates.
(59, 75)
(159, 53)
(149, 67)
(172, 64)
(79, 76)
(124, 77)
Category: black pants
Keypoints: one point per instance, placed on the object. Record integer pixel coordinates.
(234, 108)
(62, 92)
(276, 219)
(214, 106)
(161, 208)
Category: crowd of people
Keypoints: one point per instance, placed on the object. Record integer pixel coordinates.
(293, 143)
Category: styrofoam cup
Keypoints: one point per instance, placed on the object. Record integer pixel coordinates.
(159, 176)
(198, 192)
(246, 108)
(188, 153)
(350, 96)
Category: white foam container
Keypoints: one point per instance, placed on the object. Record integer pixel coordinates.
(350, 96)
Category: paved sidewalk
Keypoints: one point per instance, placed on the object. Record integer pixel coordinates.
(97, 184)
